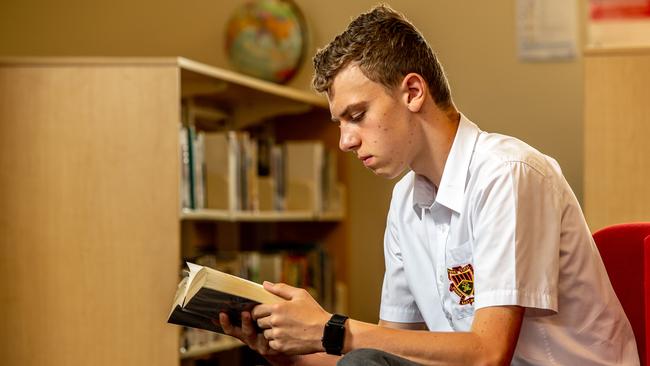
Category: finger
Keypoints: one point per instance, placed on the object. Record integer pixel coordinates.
(224, 322)
(268, 334)
(262, 310)
(281, 289)
(274, 345)
(264, 323)
(227, 327)
(247, 327)
(263, 346)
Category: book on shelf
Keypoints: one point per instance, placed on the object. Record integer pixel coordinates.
(271, 176)
(221, 161)
(304, 169)
(230, 165)
(197, 124)
(333, 191)
(198, 165)
(249, 172)
(185, 186)
(278, 178)
(191, 144)
(206, 292)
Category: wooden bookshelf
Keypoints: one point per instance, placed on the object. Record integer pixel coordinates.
(247, 86)
(90, 231)
(617, 126)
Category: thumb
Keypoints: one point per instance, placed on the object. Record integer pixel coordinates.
(281, 289)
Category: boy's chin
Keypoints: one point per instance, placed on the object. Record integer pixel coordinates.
(388, 174)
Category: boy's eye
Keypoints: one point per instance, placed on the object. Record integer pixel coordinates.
(358, 116)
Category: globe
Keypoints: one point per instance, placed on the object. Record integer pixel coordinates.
(265, 39)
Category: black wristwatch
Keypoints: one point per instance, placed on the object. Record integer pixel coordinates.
(334, 334)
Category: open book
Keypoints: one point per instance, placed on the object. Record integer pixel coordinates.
(206, 292)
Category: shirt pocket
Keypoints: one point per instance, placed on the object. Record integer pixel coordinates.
(460, 274)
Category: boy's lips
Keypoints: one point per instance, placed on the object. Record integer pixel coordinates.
(366, 159)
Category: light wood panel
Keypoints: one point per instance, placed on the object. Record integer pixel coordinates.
(617, 136)
(89, 225)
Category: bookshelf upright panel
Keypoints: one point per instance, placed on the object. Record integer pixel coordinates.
(617, 126)
(89, 221)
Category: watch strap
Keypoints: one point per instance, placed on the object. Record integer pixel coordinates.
(334, 334)
(338, 319)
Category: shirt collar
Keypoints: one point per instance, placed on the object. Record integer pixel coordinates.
(454, 176)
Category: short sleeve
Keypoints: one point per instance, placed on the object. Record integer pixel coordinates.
(516, 239)
(397, 302)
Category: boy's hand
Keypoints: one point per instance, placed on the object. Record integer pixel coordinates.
(256, 341)
(293, 327)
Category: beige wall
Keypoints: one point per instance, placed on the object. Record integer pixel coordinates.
(540, 103)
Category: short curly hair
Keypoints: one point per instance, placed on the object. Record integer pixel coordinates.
(386, 48)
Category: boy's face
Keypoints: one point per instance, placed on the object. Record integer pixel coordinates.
(375, 123)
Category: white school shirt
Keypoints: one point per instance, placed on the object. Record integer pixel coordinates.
(504, 228)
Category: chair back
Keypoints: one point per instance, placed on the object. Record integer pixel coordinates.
(625, 250)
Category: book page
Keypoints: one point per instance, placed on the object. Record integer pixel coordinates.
(194, 269)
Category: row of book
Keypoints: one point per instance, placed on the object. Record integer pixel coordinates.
(230, 170)
(310, 269)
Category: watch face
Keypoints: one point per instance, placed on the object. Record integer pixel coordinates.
(332, 333)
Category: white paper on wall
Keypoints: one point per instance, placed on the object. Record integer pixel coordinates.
(547, 29)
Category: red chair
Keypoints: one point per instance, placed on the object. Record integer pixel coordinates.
(625, 249)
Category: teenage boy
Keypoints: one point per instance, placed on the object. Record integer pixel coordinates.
(489, 260)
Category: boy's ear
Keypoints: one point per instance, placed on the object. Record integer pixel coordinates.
(414, 90)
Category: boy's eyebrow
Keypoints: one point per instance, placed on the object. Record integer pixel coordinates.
(349, 110)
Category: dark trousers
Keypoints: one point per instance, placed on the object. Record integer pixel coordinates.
(373, 357)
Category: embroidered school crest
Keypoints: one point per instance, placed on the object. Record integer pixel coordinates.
(461, 280)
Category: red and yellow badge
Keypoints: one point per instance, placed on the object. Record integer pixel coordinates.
(462, 283)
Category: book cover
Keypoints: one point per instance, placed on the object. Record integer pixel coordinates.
(218, 179)
(206, 292)
(198, 154)
(279, 178)
(304, 169)
(191, 133)
(186, 194)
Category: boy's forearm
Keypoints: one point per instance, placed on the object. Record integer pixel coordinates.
(491, 340)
